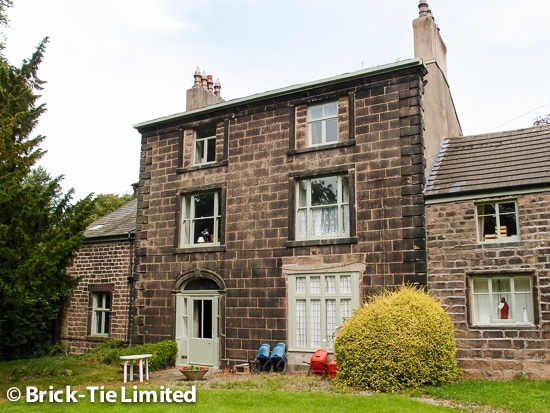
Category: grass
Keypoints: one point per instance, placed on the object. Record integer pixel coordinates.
(266, 392)
(241, 401)
(515, 396)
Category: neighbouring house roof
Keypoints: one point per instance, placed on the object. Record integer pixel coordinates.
(517, 160)
(400, 65)
(118, 224)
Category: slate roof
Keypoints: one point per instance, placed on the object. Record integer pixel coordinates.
(494, 162)
(117, 224)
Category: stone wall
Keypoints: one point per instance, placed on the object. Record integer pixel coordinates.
(98, 265)
(260, 151)
(454, 253)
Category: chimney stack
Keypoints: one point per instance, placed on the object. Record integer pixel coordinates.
(428, 44)
(204, 91)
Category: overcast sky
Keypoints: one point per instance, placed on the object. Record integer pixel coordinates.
(111, 64)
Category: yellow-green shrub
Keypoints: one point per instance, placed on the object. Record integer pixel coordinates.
(399, 340)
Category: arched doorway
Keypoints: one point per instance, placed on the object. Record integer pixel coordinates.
(197, 331)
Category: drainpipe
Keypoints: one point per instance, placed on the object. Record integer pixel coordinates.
(131, 288)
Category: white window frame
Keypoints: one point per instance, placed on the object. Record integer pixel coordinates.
(203, 139)
(189, 221)
(322, 121)
(305, 207)
(101, 311)
(501, 231)
(485, 300)
(317, 312)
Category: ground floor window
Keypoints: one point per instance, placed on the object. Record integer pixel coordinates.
(101, 312)
(319, 303)
(502, 300)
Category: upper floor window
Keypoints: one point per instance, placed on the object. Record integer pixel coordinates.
(201, 217)
(502, 300)
(323, 123)
(322, 209)
(101, 310)
(497, 221)
(205, 145)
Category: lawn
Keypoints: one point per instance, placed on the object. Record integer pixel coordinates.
(251, 393)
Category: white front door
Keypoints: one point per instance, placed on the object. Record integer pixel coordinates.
(197, 328)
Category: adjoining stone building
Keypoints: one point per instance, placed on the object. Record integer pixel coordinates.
(100, 304)
(269, 218)
(488, 228)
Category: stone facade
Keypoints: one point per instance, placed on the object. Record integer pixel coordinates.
(101, 267)
(455, 254)
(261, 149)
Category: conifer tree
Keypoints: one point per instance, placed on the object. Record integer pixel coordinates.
(40, 228)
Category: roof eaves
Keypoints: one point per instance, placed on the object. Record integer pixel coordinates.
(404, 64)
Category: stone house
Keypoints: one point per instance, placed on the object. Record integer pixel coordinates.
(488, 241)
(269, 218)
(100, 304)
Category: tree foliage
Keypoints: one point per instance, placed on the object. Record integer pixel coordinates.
(40, 229)
(106, 203)
(542, 120)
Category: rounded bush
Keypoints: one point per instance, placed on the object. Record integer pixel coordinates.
(401, 339)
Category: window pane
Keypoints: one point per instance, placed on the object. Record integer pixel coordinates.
(301, 339)
(211, 152)
(345, 309)
(481, 285)
(345, 189)
(204, 205)
(331, 109)
(487, 209)
(324, 191)
(482, 309)
(204, 230)
(315, 323)
(199, 152)
(302, 193)
(330, 315)
(345, 284)
(316, 132)
(507, 208)
(508, 225)
(522, 285)
(315, 285)
(501, 285)
(106, 323)
(302, 223)
(330, 284)
(300, 285)
(315, 112)
(325, 221)
(331, 127)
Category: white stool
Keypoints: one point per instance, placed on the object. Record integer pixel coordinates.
(140, 359)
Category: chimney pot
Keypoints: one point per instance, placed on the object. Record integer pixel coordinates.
(423, 9)
(217, 87)
(197, 78)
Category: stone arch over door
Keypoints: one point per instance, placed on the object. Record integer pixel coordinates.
(199, 309)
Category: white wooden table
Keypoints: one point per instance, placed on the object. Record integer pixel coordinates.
(138, 359)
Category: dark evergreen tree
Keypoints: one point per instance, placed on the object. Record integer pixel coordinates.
(40, 229)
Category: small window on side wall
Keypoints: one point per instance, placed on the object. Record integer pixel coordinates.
(205, 145)
(504, 300)
(323, 123)
(101, 313)
(497, 221)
